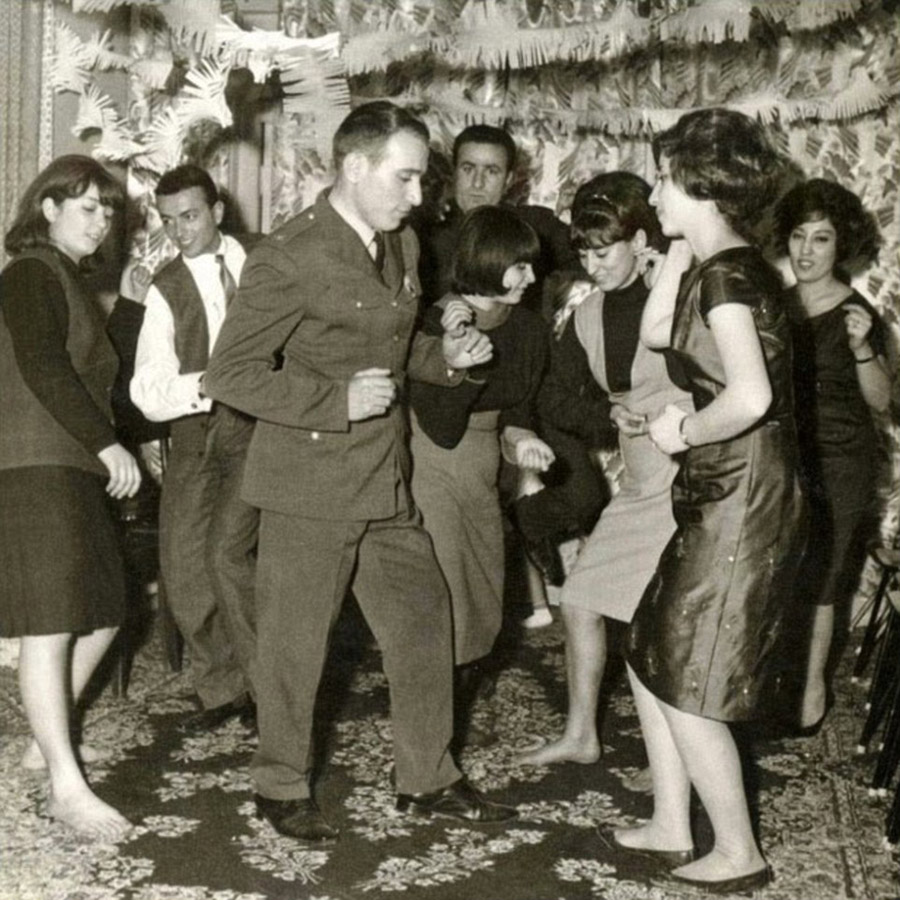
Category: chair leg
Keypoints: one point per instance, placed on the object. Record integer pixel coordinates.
(889, 756)
(881, 693)
(892, 825)
(874, 627)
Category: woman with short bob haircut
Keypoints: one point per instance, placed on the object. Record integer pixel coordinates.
(457, 432)
(63, 589)
(484, 250)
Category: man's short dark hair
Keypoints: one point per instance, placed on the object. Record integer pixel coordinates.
(368, 128)
(185, 177)
(487, 134)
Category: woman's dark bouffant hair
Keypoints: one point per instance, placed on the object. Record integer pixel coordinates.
(857, 232)
(723, 155)
(612, 207)
(65, 178)
(491, 239)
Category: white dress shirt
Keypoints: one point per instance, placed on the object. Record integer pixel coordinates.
(158, 388)
(366, 232)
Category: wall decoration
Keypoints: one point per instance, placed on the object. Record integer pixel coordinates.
(582, 85)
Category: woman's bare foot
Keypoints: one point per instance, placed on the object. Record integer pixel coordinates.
(85, 813)
(641, 782)
(34, 760)
(540, 618)
(566, 749)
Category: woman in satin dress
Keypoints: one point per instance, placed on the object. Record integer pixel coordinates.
(700, 646)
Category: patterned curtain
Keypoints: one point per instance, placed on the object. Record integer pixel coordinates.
(21, 44)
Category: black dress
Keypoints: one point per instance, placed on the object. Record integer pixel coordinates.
(838, 442)
(61, 568)
(703, 636)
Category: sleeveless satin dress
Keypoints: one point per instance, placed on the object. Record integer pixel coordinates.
(703, 636)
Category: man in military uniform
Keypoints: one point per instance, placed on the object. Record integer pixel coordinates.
(317, 347)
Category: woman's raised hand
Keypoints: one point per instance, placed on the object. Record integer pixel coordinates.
(457, 316)
(135, 282)
(859, 324)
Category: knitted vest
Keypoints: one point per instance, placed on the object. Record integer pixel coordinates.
(29, 435)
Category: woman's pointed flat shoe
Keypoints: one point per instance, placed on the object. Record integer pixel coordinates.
(668, 859)
(742, 884)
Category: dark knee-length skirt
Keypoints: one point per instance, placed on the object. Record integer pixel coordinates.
(61, 566)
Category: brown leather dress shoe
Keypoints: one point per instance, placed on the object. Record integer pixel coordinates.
(300, 819)
(456, 801)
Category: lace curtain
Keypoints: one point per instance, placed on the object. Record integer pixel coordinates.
(21, 50)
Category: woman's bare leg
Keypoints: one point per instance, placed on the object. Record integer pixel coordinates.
(45, 662)
(710, 755)
(815, 691)
(585, 663)
(669, 828)
(87, 653)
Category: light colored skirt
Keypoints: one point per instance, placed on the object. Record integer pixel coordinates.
(456, 490)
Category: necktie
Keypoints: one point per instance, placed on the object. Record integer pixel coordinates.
(378, 240)
(229, 287)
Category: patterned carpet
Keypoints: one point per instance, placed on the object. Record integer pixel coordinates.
(196, 837)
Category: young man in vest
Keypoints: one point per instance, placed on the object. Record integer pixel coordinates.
(207, 532)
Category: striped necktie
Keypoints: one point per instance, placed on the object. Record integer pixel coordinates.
(229, 286)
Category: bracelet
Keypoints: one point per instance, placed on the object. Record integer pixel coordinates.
(865, 359)
(681, 433)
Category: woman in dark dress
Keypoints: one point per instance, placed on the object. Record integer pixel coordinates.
(700, 646)
(841, 376)
(62, 591)
(457, 432)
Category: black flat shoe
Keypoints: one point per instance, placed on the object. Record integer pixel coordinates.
(457, 801)
(667, 859)
(300, 819)
(809, 731)
(743, 884)
(247, 717)
(210, 719)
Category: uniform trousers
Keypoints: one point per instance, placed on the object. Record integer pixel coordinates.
(305, 568)
(207, 555)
